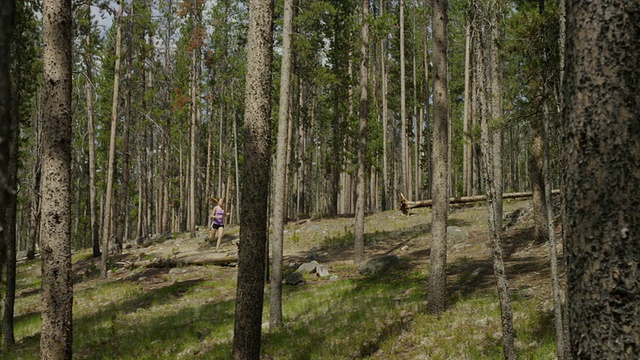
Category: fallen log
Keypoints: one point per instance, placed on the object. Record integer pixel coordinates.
(406, 205)
(204, 258)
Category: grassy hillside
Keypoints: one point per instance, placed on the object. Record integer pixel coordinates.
(188, 312)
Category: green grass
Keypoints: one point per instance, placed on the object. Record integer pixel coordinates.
(191, 316)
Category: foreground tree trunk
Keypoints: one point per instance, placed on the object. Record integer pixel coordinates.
(255, 174)
(362, 136)
(275, 314)
(7, 8)
(602, 146)
(10, 205)
(440, 163)
(55, 236)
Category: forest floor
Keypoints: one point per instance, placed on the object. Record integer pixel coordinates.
(405, 330)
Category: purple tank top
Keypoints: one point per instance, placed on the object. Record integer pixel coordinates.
(218, 218)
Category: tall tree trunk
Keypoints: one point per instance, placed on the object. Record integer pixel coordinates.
(93, 209)
(602, 147)
(7, 13)
(123, 199)
(440, 163)
(279, 213)
(467, 125)
(426, 100)
(566, 351)
(107, 218)
(362, 136)
(496, 111)
(555, 282)
(193, 127)
(404, 157)
(385, 118)
(490, 181)
(255, 173)
(10, 205)
(57, 276)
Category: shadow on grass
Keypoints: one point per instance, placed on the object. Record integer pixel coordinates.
(351, 322)
(146, 324)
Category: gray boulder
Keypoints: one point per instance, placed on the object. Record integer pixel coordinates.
(380, 265)
(308, 268)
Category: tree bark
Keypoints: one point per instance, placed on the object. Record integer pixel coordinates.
(7, 13)
(488, 170)
(467, 125)
(108, 213)
(93, 212)
(437, 275)
(255, 174)
(57, 282)
(404, 157)
(602, 146)
(279, 206)
(362, 136)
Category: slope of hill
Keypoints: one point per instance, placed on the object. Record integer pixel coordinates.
(165, 299)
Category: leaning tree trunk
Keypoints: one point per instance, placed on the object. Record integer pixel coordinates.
(255, 174)
(275, 313)
(108, 206)
(57, 276)
(601, 156)
(440, 162)
(362, 136)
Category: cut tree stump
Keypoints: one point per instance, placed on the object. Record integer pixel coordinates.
(406, 205)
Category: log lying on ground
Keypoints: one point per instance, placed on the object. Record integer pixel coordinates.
(406, 205)
(204, 258)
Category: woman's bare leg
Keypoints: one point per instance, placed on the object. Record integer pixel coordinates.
(213, 235)
(220, 233)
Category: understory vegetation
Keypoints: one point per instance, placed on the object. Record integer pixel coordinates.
(188, 312)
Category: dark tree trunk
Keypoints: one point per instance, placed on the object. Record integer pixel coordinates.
(601, 158)
(255, 174)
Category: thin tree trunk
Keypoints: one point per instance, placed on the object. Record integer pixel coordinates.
(194, 110)
(10, 205)
(427, 115)
(275, 314)
(93, 212)
(385, 118)
(362, 136)
(490, 180)
(496, 112)
(107, 218)
(404, 158)
(467, 143)
(57, 276)
(437, 275)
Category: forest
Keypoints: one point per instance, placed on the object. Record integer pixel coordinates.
(123, 121)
